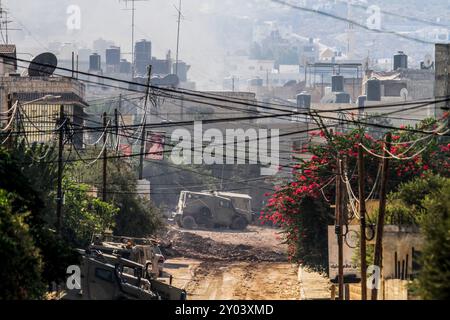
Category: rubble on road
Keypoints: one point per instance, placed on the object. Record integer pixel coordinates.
(192, 245)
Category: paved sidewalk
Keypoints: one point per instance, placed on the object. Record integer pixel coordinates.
(313, 286)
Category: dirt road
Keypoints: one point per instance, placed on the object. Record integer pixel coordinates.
(225, 265)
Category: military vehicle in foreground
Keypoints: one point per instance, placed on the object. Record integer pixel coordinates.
(213, 210)
(140, 250)
(111, 277)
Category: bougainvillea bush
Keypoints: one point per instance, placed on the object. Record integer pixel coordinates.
(301, 206)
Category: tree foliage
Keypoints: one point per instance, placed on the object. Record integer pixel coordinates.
(434, 277)
(21, 271)
(136, 216)
(27, 177)
(84, 215)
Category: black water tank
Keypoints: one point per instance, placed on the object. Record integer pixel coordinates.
(400, 61)
(342, 97)
(373, 90)
(362, 101)
(337, 83)
(304, 101)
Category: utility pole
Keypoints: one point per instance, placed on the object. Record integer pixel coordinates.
(9, 137)
(178, 38)
(362, 214)
(73, 65)
(116, 126)
(105, 155)
(144, 125)
(378, 256)
(338, 229)
(60, 195)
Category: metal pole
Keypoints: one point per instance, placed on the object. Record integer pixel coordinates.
(338, 228)
(60, 195)
(378, 256)
(132, 40)
(73, 64)
(105, 156)
(362, 214)
(178, 39)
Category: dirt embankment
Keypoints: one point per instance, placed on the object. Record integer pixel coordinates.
(254, 245)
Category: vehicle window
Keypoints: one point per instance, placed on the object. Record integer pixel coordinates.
(103, 274)
(224, 204)
(242, 204)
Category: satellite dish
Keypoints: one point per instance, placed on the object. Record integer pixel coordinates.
(427, 62)
(404, 94)
(43, 65)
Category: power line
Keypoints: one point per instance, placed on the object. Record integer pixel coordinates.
(362, 26)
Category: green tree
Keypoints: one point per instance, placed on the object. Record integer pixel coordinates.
(136, 216)
(405, 206)
(84, 215)
(21, 271)
(30, 176)
(434, 277)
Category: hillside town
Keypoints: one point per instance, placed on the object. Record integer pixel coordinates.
(277, 150)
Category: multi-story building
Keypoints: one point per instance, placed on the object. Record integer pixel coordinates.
(40, 99)
(143, 57)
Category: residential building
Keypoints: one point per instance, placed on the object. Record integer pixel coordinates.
(40, 99)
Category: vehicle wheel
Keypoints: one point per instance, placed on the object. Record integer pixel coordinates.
(204, 218)
(239, 223)
(189, 222)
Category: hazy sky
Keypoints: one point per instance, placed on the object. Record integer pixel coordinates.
(44, 21)
(209, 30)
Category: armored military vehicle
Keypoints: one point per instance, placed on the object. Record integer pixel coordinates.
(213, 209)
(140, 250)
(110, 277)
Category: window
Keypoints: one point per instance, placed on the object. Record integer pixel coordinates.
(224, 204)
(103, 274)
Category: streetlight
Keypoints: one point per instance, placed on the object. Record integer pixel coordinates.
(44, 98)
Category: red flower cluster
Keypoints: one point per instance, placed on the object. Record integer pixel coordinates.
(309, 177)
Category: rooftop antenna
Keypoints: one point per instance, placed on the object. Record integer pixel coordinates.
(180, 16)
(350, 31)
(133, 25)
(4, 22)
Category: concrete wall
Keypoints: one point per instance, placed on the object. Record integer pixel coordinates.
(399, 247)
(442, 65)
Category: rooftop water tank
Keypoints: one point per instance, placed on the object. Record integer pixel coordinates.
(400, 61)
(373, 90)
(337, 83)
(304, 101)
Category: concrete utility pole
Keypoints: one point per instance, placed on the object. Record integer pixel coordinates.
(362, 214)
(378, 256)
(116, 126)
(144, 125)
(105, 156)
(9, 137)
(339, 228)
(60, 195)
